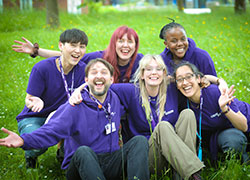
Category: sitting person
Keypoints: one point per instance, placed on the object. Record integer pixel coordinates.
(153, 112)
(90, 130)
(223, 121)
(50, 85)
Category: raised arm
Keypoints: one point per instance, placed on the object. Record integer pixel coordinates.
(28, 48)
(34, 103)
(219, 81)
(12, 140)
(238, 120)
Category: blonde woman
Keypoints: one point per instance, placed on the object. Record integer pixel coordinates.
(153, 112)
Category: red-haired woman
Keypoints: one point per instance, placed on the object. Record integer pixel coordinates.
(122, 52)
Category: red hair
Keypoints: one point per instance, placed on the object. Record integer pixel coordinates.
(110, 54)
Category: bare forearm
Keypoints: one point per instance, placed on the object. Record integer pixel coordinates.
(48, 53)
(238, 120)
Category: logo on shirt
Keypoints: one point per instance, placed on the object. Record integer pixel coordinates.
(169, 112)
(216, 114)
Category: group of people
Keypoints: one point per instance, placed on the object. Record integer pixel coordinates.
(166, 106)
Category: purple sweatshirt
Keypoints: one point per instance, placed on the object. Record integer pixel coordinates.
(82, 125)
(213, 122)
(46, 83)
(199, 57)
(137, 123)
(99, 54)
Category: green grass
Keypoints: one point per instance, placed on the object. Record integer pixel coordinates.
(223, 34)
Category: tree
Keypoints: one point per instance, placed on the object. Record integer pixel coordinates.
(52, 13)
(240, 6)
(180, 5)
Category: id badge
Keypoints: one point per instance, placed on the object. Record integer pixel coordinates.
(108, 128)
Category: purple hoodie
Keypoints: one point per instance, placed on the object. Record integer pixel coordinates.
(82, 125)
(199, 57)
(99, 54)
(137, 123)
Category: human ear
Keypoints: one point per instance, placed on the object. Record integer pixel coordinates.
(60, 46)
(166, 44)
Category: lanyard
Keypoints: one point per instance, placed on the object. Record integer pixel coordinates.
(64, 79)
(100, 106)
(200, 119)
(153, 120)
(107, 112)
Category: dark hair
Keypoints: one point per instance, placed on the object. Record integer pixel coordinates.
(94, 61)
(168, 27)
(110, 53)
(193, 68)
(74, 36)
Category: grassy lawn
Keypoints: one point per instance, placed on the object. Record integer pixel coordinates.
(223, 34)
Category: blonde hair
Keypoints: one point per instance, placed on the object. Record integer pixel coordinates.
(140, 83)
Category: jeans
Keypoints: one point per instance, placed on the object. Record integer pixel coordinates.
(131, 159)
(29, 125)
(233, 139)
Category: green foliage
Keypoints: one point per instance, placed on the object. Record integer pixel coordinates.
(223, 34)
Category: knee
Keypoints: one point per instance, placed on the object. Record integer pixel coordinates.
(83, 151)
(188, 114)
(141, 141)
(232, 140)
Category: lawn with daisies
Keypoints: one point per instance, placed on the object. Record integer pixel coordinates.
(222, 33)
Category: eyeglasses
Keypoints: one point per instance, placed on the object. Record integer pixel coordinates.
(188, 78)
(151, 69)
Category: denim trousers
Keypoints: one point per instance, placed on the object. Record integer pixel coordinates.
(29, 125)
(233, 139)
(131, 161)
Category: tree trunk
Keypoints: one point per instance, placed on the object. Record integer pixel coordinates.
(52, 13)
(240, 6)
(180, 5)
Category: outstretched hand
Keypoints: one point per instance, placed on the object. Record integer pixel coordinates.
(34, 103)
(226, 97)
(12, 140)
(23, 47)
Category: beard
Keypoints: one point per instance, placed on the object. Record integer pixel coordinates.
(99, 93)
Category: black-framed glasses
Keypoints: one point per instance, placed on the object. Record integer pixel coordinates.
(188, 78)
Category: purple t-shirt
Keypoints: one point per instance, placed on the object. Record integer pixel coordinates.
(46, 83)
(199, 57)
(212, 119)
(99, 54)
(136, 123)
(213, 122)
(81, 125)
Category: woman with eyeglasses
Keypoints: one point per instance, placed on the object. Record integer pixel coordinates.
(121, 53)
(222, 120)
(152, 111)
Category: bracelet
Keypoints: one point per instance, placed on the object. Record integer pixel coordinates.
(228, 109)
(35, 51)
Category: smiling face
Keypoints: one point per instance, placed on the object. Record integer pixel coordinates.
(99, 80)
(188, 83)
(153, 74)
(177, 42)
(125, 49)
(72, 52)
